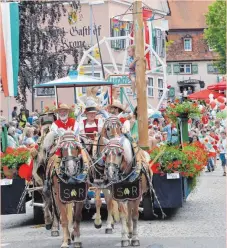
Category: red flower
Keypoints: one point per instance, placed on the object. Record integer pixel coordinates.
(155, 168)
(9, 150)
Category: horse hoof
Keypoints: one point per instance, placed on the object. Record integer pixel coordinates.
(98, 226)
(48, 226)
(69, 241)
(64, 246)
(72, 237)
(125, 243)
(112, 225)
(135, 243)
(54, 233)
(108, 231)
(77, 245)
(130, 235)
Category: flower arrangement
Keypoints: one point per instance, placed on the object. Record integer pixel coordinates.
(12, 159)
(186, 108)
(188, 161)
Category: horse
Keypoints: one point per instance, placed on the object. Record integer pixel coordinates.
(119, 164)
(111, 128)
(46, 144)
(68, 200)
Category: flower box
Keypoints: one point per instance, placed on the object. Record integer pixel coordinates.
(11, 191)
(169, 191)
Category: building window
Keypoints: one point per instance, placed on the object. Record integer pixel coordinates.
(212, 69)
(150, 87)
(119, 28)
(188, 44)
(211, 49)
(160, 87)
(185, 69)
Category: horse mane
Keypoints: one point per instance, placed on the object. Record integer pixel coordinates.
(127, 149)
(49, 140)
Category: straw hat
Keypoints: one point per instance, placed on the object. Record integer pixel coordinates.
(62, 106)
(117, 104)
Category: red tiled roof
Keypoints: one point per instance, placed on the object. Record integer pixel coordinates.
(186, 14)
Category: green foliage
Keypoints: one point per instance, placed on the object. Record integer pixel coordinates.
(215, 34)
(174, 110)
(42, 56)
(13, 157)
(222, 114)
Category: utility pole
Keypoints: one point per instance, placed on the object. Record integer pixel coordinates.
(141, 84)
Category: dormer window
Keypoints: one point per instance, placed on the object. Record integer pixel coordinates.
(188, 44)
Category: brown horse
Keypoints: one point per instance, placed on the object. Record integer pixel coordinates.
(119, 164)
(111, 128)
(67, 201)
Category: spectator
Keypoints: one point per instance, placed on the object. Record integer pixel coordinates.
(14, 113)
(222, 148)
(22, 118)
(28, 139)
(12, 140)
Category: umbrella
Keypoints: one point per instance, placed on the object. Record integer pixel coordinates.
(204, 94)
(156, 115)
(218, 86)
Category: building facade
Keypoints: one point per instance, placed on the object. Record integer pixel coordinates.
(78, 33)
(190, 61)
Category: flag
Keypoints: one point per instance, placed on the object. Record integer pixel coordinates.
(9, 46)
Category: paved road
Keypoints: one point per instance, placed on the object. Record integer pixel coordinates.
(201, 223)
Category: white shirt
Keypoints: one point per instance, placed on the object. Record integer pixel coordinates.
(88, 125)
(222, 145)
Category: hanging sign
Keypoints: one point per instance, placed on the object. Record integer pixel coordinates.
(119, 79)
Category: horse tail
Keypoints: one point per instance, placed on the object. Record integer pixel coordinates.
(69, 211)
(115, 211)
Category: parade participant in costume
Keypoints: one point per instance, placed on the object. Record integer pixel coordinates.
(59, 127)
(91, 124)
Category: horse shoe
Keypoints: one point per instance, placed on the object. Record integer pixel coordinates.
(125, 243)
(135, 242)
(77, 245)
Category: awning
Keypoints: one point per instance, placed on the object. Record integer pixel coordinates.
(74, 81)
(204, 94)
(218, 86)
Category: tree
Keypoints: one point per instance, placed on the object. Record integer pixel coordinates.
(41, 52)
(215, 34)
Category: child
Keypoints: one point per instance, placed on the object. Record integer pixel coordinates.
(131, 63)
(222, 148)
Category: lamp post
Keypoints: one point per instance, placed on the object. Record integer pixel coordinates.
(98, 2)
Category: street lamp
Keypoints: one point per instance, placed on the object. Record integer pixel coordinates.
(97, 2)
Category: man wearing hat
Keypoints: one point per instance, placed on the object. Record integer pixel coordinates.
(64, 122)
(59, 127)
(91, 124)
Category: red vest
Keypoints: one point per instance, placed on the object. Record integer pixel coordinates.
(90, 130)
(69, 124)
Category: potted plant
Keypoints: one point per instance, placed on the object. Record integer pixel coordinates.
(16, 167)
(12, 159)
(185, 109)
(182, 165)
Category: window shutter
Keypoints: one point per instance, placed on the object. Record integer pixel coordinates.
(194, 69)
(176, 69)
(172, 92)
(163, 45)
(169, 69)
